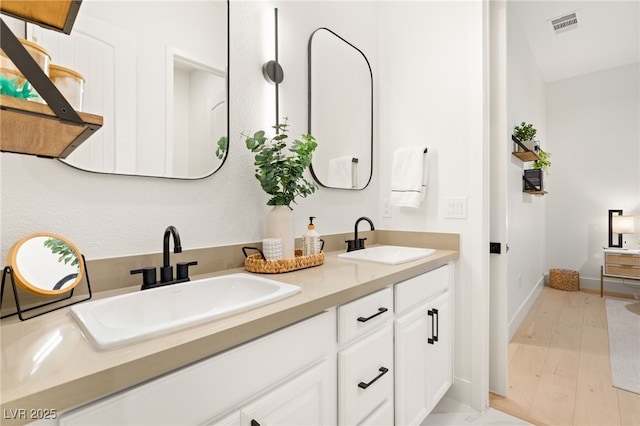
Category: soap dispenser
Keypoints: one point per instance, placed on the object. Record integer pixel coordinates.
(310, 239)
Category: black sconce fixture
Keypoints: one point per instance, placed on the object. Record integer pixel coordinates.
(273, 72)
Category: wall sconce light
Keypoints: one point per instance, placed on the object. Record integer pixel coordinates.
(619, 224)
(273, 72)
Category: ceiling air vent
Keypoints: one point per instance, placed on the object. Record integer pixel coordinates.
(564, 23)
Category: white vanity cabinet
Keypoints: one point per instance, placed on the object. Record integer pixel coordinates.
(282, 374)
(424, 344)
(383, 359)
(365, 360)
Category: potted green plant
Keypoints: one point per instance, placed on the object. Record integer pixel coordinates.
(526, 133)
(281, 176)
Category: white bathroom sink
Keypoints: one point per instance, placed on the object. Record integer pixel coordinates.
(133, 317)
(391, 255)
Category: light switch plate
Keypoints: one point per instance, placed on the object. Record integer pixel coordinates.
(456, 207)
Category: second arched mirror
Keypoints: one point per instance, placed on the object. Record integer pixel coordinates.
(340, 111)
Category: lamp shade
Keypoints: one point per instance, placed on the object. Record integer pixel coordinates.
(623, 224)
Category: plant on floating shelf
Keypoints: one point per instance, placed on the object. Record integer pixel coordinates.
(279, 174)
(525, 132)
(543, 163)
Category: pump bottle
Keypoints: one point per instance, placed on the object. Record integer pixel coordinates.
(310, 239)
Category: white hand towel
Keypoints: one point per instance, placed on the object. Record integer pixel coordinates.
(408, 177)
(340, 172)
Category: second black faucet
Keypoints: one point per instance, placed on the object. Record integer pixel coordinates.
(358, 243)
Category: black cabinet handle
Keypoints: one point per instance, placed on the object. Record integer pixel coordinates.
(437, 332)
(382, 371)
(380, 312)
(435, 325)
(254, 423)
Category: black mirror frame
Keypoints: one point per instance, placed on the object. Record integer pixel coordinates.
(309, 98)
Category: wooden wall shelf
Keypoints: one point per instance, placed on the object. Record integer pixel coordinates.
(54, 129)
(58, 15)
(526, 154)
(33, 128)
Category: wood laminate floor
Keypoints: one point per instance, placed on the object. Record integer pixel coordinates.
(558, 366)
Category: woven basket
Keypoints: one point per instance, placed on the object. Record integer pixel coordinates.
(257, 263)
(564, 279)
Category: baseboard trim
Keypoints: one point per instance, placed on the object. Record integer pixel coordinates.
(460, 391)
(524, 308)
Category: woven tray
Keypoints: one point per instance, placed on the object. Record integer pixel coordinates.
(257, 262)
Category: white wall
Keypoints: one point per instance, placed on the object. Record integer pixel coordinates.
(525, 212)
(431, 93)
(593, 122)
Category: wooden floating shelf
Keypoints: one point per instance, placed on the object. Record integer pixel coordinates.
(535, 192)
(58, 15)
(526, 155)
(33, 128)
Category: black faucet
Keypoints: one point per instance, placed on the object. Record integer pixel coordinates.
(166, 271)
(358, 243)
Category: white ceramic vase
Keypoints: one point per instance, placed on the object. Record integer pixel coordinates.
(280, 224)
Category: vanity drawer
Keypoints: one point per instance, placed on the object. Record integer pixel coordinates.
(623, 259)
(365, 376)
(627, 271)
(418, 290)
(365, 314)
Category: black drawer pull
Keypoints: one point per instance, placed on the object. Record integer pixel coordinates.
(254, 423)
(382, 371)
(380, 312)
(435, 325)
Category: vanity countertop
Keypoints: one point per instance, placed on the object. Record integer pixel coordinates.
(48, 364)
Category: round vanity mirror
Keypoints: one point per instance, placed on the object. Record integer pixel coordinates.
(45, 264)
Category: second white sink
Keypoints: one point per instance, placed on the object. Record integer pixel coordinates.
(391, 255)
(132, 317)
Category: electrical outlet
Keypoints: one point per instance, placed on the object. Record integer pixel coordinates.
(386, 208)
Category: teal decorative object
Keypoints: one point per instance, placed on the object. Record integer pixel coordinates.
(15, 89)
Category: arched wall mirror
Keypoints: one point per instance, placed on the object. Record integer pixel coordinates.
(340, 111)
(46, 264)
(156, 71)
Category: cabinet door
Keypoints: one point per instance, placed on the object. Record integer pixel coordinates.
(440, 352)
(424, 359)
(308, 399)
(412, 332)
